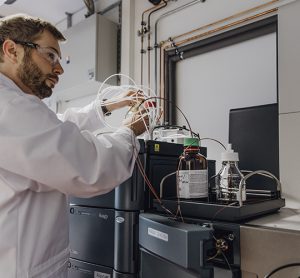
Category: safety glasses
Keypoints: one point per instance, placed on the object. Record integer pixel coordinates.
(47, 53)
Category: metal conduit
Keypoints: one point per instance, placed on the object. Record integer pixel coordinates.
(166, 44)
(227, 18)
(225, 27)
(149, 36)
(155, 33)
(142, 32)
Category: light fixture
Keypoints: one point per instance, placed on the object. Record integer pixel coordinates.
(7, 2)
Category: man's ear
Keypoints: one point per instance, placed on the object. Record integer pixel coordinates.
(10, 51)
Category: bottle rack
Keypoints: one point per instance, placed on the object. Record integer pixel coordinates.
(257, 204)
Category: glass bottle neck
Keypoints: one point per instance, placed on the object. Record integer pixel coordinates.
(230, 162)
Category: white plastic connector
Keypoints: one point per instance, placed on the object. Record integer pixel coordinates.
(229, 154)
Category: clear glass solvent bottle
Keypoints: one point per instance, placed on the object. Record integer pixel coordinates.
(192, 174)
(229, 177)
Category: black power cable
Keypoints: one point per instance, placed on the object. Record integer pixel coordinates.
(280, 268)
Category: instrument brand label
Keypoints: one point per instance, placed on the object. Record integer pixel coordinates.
(98, 274)
(158, 234)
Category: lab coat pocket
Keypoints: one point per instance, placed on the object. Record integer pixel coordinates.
(56, 266)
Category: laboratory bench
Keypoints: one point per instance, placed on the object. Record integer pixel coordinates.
(270, 242)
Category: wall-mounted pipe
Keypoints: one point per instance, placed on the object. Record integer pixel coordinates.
(155, 33)
(245, 12)
(165, 2)
(228, 26)
(142, 33)
(166, 45)
(90, 6)
(213, 24)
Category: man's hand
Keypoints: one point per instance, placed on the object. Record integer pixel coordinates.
(138, 122)
(129, 98)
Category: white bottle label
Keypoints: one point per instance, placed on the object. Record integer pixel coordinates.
(193, 183)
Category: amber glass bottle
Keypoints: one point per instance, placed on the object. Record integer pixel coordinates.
(192, 176)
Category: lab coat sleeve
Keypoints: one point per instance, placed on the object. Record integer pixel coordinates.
(56, 155)
(90, 117)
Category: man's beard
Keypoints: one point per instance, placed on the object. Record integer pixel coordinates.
(31, 76)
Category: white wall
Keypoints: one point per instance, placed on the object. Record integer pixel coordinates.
(289, 101)
(78, 81)
(79, 15)
(190, 18)
(289, 64)
(210, 84)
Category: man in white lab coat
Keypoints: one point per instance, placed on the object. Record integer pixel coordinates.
(43, 158)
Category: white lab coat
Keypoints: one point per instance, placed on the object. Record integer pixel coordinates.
(42, 160)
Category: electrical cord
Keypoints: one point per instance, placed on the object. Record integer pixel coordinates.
(226, 260)
(280, 268)
(214, 256)
(223, 208)
(220, 252)
(143, 108)
(106, 91)
(147, 181)
(172, 102)
(154, 112)
(207, 138)
(115, 94)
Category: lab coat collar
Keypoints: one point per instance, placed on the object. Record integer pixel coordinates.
(6, 82)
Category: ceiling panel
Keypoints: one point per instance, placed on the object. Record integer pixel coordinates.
(50, 10)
